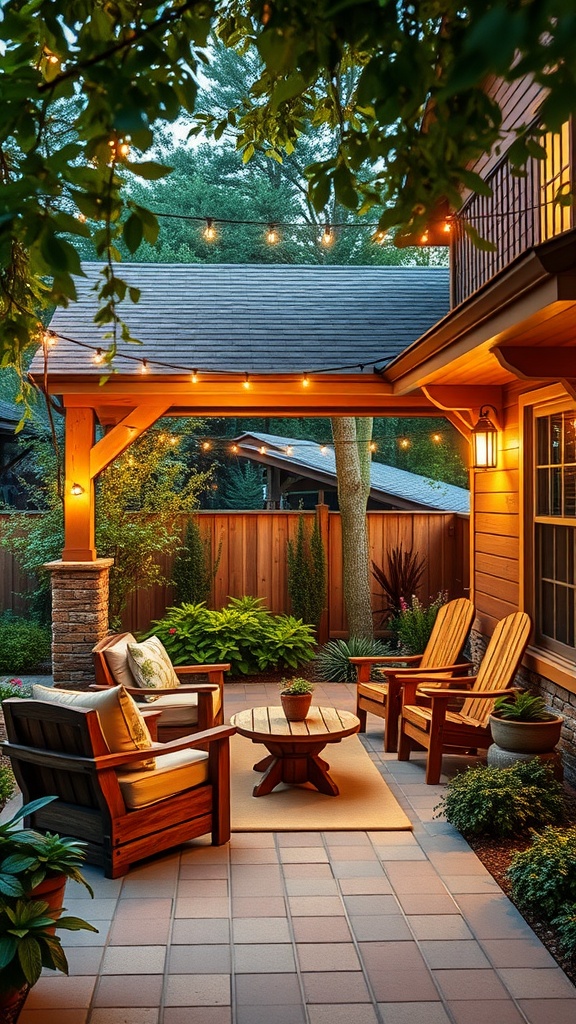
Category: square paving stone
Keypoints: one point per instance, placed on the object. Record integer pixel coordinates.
(261, 929)
(209, 959)
(204, 931)
(541, 983)
(371, 905)
(467, 954)
(421, 904)
(346, 1013)
(492, 1011)
(58, 993)
(267, 958)
(439, 926)
(327, 956)
(134, 960)
(311, 929)
(129, 990)
(197, 1015)
(470, 984)
(261, 989)
(387, 927)
(312, 887)
(197, 990)
(271, 1014)
(331, 987)
(371, 886)
(517, 953)
(414, 1013)
(398, 972)
(541, 1011)
(122, 1015)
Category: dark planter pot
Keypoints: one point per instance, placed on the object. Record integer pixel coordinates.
(296, 705)
(526, 737)
(12, 1003)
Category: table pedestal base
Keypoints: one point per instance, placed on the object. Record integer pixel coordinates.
(294, 764)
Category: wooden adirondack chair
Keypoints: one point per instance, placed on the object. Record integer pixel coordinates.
(443, 649)
(437, 728)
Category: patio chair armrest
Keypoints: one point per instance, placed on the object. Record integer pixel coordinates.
(197, 739)
(364, 664)
(460, 667)
(448, 694)
(190, 670)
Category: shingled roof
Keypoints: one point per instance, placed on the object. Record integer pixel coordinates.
(256, 318)
(387, 484)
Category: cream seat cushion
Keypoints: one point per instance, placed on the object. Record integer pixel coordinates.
(178, 708)
(122, 723)
(116, 657)
(150, 665)
(173, 774)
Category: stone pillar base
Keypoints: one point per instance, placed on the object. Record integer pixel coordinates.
(79, 618)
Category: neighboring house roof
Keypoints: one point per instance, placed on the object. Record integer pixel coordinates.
(387, 483)
(253, 318)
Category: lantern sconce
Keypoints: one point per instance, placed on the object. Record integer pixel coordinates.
(485, 440)
(76, 490)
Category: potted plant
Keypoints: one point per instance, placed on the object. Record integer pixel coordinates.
(34, 869)
(520, 723)
(296, 697)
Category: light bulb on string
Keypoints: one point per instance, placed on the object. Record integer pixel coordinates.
(76, 490)
(246, 382)
(209, 233)
(327, 236)
(424, 238)
(206, 446)
(272, 235)
(379, 237)
(234, 449)
(373, 446)
(194, 376)
(447, 227)
(49, 339)
(174, 440)
(262, 449)
(289, 450)
(404, 442)
(98, 357)
(437, 438)
(305, 380)
(144, 367)
(323, 449)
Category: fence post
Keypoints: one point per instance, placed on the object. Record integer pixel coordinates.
(323, 525)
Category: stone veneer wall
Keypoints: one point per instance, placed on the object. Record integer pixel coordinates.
(79, 618)
(558, 700)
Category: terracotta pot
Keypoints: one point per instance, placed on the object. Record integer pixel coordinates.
(51, 891)
(526, 737)
(296, 705)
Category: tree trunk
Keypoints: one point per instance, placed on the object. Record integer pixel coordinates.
(352, 452)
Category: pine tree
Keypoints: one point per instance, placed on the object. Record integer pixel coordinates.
(243, 488)
(194, 570)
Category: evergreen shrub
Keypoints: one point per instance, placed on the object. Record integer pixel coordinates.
(490, 801)
(23, 644)
(543, 877)
(307, 573)
(194, 570)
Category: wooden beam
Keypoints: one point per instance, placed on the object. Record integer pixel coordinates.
(543, 363)
(79, 545)
(461, 404)
(123, 434)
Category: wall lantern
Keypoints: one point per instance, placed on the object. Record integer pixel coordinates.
(76, 489)
(485, 441)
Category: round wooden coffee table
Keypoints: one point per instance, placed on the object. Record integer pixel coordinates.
(294, 746)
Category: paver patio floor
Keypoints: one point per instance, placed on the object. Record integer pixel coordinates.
(308, 928)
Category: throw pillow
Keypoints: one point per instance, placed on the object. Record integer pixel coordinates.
(116, 657)
(122, 723)
(151, 666)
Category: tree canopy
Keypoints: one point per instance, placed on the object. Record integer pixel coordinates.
(85, 86)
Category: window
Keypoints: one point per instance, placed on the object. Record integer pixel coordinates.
(555, 530)
(556, 173)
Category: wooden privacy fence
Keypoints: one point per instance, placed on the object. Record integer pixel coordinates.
(253, 561)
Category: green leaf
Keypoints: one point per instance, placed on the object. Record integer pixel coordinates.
(133, 232)
(30, 957)
(149, 169)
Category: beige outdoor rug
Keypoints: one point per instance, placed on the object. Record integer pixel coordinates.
(364, 804)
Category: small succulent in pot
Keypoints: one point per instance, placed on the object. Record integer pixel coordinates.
(521, 706)
(295, 687)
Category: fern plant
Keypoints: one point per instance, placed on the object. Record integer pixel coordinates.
(399, 579)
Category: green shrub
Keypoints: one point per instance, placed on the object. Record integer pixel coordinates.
(194, 569)
(307, 573)
(492, 801)
(244, 633)
(7, 783)
(331, 662)
(413, 626)
(565, 922)
(23, 645)
(14, 688)
(543, 877)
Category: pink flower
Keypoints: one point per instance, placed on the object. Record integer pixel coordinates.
(16, 682)
(172, 631)
(403, 605)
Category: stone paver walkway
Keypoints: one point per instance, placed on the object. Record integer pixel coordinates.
(308, 928)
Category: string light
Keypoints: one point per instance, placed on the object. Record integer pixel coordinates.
(262, 449)
(246, 381)
(323, 449)
(289, 450)
(194, 376)
(373, 446)
(379, 237)
(76, 490)
(144, 366)
(327, 236)
(404, 442)
(81, 217)
(272, 235)
(98, 357)
(447, 227)
(209, 234)
(206, 446)
(436, 438)
(49, 339)
(305, 381)
(234, 449)
(424, 238)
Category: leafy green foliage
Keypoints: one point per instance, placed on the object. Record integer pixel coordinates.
(23, 645)
(522, 706)
(413, 626)
(543, 877)
(332, 662)
(490, 801)
(27, 943)
(565, 922)
(194, 570)
(297, 685)
(244, 634)
(307, 573)
(14, 688)
(139, 498)
(399, 578)
(7, 783)
(28, 856)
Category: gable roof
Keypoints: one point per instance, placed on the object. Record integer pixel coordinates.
(237, 318)
(387, 482)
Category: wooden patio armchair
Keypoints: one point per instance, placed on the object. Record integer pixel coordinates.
(191, 707)
(123, 816)
(437, 728)
(441, 656)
